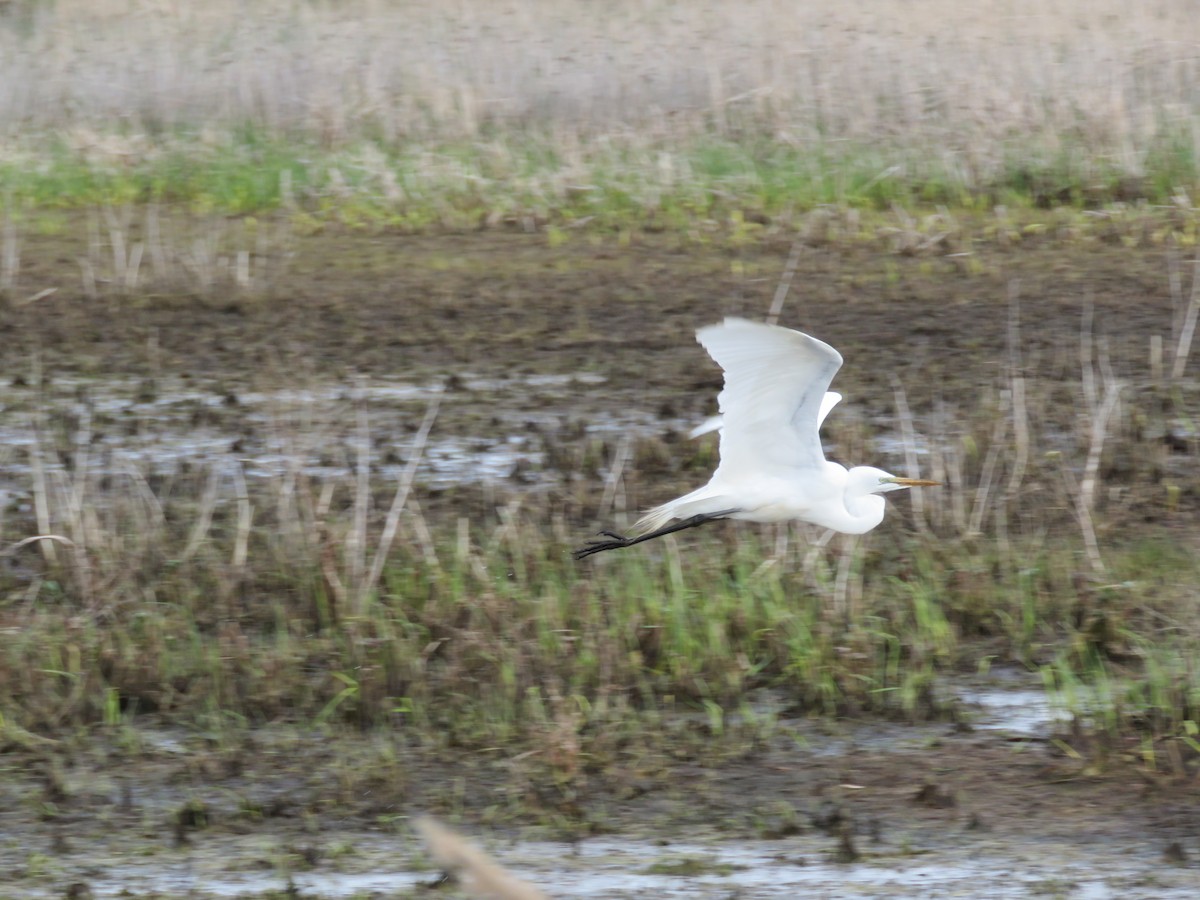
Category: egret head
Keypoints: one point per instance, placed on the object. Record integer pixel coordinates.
(877, 481)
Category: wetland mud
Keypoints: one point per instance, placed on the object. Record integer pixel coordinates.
(540, 347)
(820, 808)
(548, 354)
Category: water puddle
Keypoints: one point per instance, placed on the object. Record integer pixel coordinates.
(613, 868)
(906, 850)
(1011, 701)
(305, 884)
(1014, 711)
(166, 427)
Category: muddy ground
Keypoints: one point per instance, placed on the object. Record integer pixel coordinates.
(496, 304)
(525, 330)
(540, 342)
(989, 806)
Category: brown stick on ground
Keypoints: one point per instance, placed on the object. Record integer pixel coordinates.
(482, 876)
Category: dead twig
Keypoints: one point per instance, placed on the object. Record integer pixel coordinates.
(481, 875)
(415, 450)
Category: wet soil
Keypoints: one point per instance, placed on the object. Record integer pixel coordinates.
(499, 304)
(990, 806)
(540, 343)
(529, 334)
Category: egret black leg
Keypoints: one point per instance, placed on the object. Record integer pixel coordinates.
(618, 541)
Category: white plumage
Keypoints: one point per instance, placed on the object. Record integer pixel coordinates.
(773, 468)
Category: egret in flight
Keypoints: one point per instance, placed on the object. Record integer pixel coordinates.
(772, 466)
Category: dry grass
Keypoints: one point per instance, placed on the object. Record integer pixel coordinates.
(295, 596)
(976, 89)
(317, 589)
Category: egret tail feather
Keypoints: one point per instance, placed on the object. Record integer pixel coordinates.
(700, 502)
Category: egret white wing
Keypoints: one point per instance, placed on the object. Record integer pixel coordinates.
(828, 402)
(713, 423)
(774, 397)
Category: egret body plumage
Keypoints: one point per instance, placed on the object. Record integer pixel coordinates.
(772, 468)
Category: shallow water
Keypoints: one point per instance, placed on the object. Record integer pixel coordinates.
(1021, 711)
(174, 424)
(968, 848)
(615, 868)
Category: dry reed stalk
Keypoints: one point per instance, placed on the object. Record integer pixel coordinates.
(81, 518)
(908, 435)
(203, 523)
(58, 538)
(1183, 346)
(295, 510)
(1087, 372)
(87, 276)
(324, 504)
(785, 282)
(41, 499)
(506, 530)
(1099, 432)
(287, 510)
(958, 492)
(158, 255)
(782, 543)
(482, 876)
(424, 536)
(1102, 75)
(245, 519)
(842, 604)
(203, 260)
(529, 542)
(356, 538)
(939, 471)
(134, 267)
(816, 579)
(1099, 413)
(465, 553)
(415, 451)
(116, 242)
(35, 297)
(1083, 516)
(76, 495)
(462, 543)
(982, 492)
(612, 484)
(157, 523)
(335, 588)
(58, 496)
(307, 519)
(242, 271)
(1020, 417)
(674, 560)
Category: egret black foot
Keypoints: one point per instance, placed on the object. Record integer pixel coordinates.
(616, 543)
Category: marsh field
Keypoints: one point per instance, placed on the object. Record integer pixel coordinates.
(329, 330)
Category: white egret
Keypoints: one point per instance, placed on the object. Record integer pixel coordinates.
(713, 423)
(772, 466)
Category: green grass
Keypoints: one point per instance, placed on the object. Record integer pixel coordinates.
(507, 638)
(523, 173)
(442, 116)
(183, 601)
